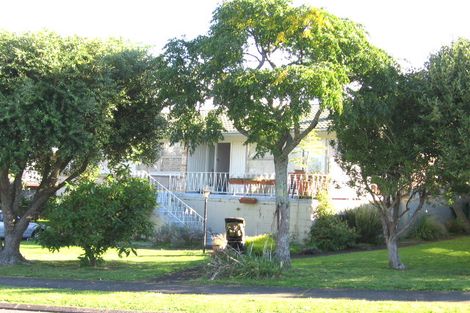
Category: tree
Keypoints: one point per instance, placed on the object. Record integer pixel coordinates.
(98, 216)
(447, 97)
(66, 104)
(270, 67)
(385, 146)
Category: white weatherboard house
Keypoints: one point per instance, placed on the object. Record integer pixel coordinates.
(242, 185)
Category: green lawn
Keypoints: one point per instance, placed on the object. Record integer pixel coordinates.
(155, 302)
(443, 265)
(148, 264)
(435, 266)
(440, 265)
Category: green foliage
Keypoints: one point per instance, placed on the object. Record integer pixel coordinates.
(446, 96)
(439, 265)
(178, 236)
(97, 217)
(456, 226)
(330, 233)
(365, 219)
(84, 97)
(67, 103)
(230, 262)
(324, 207)
(428, 228)
(266, 96)
(385, 146)
(272, 69)
(382, 138)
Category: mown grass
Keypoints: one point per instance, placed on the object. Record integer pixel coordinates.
(440, 265)
(148, 264)
(156, 302)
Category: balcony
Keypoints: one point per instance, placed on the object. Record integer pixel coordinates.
(299, 185)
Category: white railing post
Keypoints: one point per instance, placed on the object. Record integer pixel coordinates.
(175, 208)
(299, 185)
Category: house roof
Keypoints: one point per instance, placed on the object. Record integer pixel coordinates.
(323, 122)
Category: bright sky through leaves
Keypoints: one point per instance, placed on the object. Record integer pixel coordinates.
(409, 30)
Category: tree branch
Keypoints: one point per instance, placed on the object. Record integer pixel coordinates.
(313, 123)
(422, 198)
(16, 190)
(4, 187)
(273, 65)
(407, 208)
(261, 61)
(242, 131)
(254, 56)
(377, 202)
(74, 175)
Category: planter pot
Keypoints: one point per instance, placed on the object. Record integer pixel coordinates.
(248, 200)
(267, 182)
(236, 181)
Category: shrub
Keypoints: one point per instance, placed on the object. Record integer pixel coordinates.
(97, 217)
(330, 233)
(178, 236)
(365, 219)
(233, 263)
(428, 228)
(456, 226)
(325, 207)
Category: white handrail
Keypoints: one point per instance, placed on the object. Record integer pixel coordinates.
(299, 185)
(180, 211)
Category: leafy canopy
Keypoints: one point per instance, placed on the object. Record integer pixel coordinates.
(447, 98)
(272, 68)
(382, 136)
(69, 101)
(266, 64)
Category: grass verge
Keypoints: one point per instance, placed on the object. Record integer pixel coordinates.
(439, 265)
(214, 303)
(149, 263)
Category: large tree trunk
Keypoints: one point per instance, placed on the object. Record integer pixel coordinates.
(14, 227)
(391, 240)
(282, 211)
(10, 253)
(390, 217)
(458, 207)
(393, 257)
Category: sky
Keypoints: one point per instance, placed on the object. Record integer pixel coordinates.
(409, 30)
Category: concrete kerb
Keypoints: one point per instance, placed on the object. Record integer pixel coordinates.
(56, 309)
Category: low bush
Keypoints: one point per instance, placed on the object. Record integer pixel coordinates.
(330, 233)
(324, 207)
(178, 236)
(428, 228)
(365, 219)
(97, 217)
(230, 262)
(456, 226)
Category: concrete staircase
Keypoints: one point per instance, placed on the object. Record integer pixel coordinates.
(171, 208)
